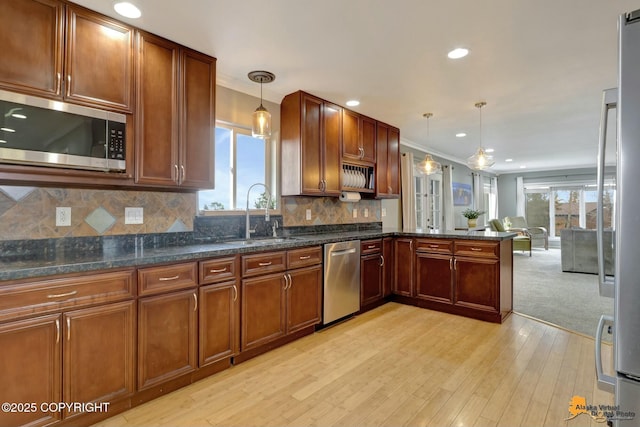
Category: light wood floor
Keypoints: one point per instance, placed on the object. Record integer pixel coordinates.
(395, 366)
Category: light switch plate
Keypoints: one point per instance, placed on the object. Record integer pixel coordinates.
(366, 212)
(355, 212)
(133, 216)
(63, 217)
(384, 212)
(308, 215)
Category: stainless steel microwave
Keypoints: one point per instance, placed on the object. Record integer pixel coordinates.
(43, 132)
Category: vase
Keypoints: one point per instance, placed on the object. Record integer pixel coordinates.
(472, 222)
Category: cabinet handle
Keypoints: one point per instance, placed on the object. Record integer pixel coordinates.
(195, 300)
(450, 263)
(235, 293)
(219, 270)
(389, 189)
(68, 84)
(410, 245)
(304, 257)
(175, 175)
(183, 174)
(361, 153)
(434, 246)
(371, 246)
(166, 279)
(68, 329)
(455, 264)
(57, 331)
(476, 249)
(381, 260)
(58, 83)
(66, 294)
(290, 280)
(265, 264)
(286, 282)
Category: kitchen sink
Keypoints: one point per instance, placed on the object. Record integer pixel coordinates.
(264, 241)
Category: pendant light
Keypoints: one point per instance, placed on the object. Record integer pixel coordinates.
(429, 166)
(261, 121)
(480, 160)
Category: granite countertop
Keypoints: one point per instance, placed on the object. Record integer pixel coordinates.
(54, 260)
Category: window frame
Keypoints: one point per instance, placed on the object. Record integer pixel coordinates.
(271, 180)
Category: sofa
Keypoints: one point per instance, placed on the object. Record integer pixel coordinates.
(579, 251)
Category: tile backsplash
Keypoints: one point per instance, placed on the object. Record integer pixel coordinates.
(30, 212)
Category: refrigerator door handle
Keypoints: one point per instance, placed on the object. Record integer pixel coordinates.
(605, 382)
(609, 101)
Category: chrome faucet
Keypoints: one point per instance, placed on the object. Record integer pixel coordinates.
(266, 209)
(274, 227)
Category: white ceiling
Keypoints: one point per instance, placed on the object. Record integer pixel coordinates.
(539, 64)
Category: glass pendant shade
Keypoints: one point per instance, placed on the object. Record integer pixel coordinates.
(480, 160)
(261, 123)
(429, 166)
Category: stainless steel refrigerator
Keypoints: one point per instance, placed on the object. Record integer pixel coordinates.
(625, 285)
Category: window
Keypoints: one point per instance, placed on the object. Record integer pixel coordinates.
(240, 161)
(428, 201)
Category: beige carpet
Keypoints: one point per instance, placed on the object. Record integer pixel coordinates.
(543, 291)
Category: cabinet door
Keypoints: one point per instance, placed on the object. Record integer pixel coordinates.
(31, 369)
(382, 148)
(156, 111)
(99, 60)
(477, 283)
(403, 267)
(32, 36)
(351, 145)
(167, 337)
(99, 363)
(219, 322)
(197, 114)
(393, 162)
(304, 298)
(434, 277)
(311, 140)
(368, 139)
(332, 147)
(370, 278)
(263, 310)
(387, 266)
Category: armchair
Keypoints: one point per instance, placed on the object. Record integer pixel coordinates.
(522, 242)
(519, 223)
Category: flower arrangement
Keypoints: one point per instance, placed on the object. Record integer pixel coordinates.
(471, 213)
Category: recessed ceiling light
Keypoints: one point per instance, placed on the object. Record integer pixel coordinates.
(2, 141)
(458, 53)
(127, 9)
(489, 150)
(18, 116)
(353, 103)
(523, 166)
(7, 129)
(508, 160)
(461, 135)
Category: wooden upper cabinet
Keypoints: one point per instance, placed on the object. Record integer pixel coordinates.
(99, 60)
(358, 138)
(32, 37)
(63, 51)
(388, 161)
(311, 132)
(175, 115)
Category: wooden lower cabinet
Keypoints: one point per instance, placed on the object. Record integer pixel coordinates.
(434, 277)
(387, 266)
(219, 322)
(99, 348)
(403, 266)
(475, 283)
(371, 276)
(304, 298)
(167, 336)
(30, 368)
(263, 310)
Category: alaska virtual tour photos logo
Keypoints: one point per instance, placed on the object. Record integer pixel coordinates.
(599, 413)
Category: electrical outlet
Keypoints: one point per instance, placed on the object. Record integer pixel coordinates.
(354, 212)
(384, 212)
(308, 214)
(366, 212)
(133, 216)
(63, 217)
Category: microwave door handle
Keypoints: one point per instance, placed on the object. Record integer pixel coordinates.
(605, 382)
(605, 284)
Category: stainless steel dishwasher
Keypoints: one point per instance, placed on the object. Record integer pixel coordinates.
(341, 280)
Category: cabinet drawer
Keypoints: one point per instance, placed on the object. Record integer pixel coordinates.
(304, 257)
(218, 270)
(269, 262)
(370, 246)
(46, 296)
(155, 280)
(476, 248)
(434, 245)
